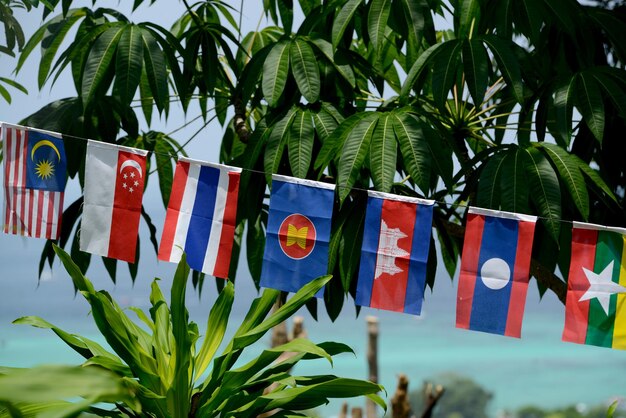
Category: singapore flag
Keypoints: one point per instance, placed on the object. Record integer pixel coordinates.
(114, 181)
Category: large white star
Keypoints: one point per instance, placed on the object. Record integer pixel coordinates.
(601, 287)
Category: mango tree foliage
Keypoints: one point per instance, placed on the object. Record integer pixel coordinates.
(516, 105)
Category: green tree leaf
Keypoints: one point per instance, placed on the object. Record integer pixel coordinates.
(545, 191)
(156, 70)
(514, 182)
(355, 149)
(414, 148)
(276, 144)
(467, 18)
(377, 23)
(300, 143)
(418, 68)
(571, 176)
(304, 68)
(489, 183)
(588, 100)
(476, 66)
(275, 72)
(507, 64)
(383, 154)
(341, 22)
(98, 63)
(444, 77)
(128, 63)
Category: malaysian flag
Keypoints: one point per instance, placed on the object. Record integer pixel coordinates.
(34, 181)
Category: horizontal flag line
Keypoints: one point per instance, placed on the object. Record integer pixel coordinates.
(338, 186)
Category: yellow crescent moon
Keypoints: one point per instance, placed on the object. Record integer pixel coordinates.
(42, 143)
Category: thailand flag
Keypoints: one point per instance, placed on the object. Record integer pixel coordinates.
(201, 216)
(298, 233)
(396, 239)
(494, 271)
(114, 181)
(34, 181)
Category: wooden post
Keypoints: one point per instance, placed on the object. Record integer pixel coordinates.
(357, 412)
(372, 361)
(344, 410)
(432, 394)
(400, 407)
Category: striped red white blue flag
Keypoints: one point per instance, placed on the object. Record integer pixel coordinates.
(34, 181)
(494, 271)
(201, 216)
(394, 253)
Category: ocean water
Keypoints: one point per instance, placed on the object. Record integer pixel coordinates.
(537, 369)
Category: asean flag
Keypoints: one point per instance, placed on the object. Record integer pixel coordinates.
(494, 271)
(201, 216)
(394, 253)
(298, 233)
(114, 181)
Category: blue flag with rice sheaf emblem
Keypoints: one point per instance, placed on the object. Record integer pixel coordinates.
(298, 233)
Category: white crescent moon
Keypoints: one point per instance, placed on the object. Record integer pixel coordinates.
(131, 163)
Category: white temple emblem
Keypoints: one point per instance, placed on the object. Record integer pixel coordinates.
(388, 251)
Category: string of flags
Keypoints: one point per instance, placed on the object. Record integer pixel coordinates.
(200, 221)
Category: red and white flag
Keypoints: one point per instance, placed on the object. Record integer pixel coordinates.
(34, 181)
(114, 181)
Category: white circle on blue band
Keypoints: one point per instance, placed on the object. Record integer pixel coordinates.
(495, 273)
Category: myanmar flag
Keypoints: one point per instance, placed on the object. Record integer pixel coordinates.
(595, 310)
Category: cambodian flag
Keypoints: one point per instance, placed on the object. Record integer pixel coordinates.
(396, 239)
(494, 271)
(298, 233)
(201, 216)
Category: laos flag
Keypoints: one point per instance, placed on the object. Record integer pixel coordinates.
(494, 271)
(298, 233)
(396, 239)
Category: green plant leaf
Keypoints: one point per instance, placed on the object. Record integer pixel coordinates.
(476, 66)
(336, 140)
(571, 176)
(62, 382)
(276, 144)
(325, 124)
(545, 191)
(563, 103)
(355, 149)
(489, 182)
(304, 69)
(350, 246)
(155, 68)
(83, 346)
(507, 64)
(289, 308)
(216, 328)
(377, 23)
(344, 69)
(341, 22)
(383, 153)
(55, 31)
(467, 17)
(180, 393)
(275, 71)
(595, 178)
(514, 191)
(300, 143)
(414, 148)
(443, 78)
(98, 63)
(415, 14)
(418, 68)
(588, 100)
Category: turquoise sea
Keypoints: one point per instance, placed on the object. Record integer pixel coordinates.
(537, 369)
